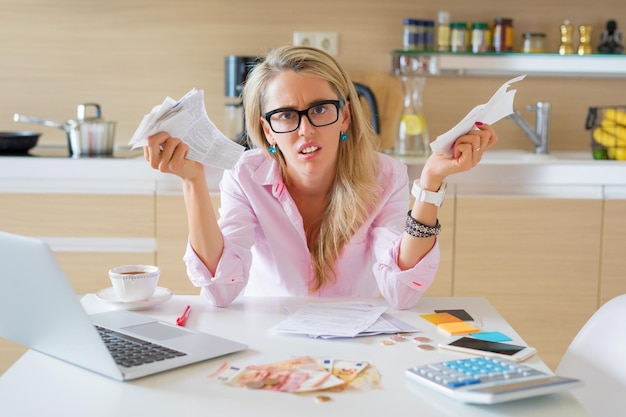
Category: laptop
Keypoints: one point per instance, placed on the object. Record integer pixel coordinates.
(39, 309)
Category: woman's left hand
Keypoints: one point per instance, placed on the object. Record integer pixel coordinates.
(468, 150)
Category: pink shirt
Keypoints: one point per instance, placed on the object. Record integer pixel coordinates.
(265, 249)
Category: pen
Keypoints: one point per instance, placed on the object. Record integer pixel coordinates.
(182, 320)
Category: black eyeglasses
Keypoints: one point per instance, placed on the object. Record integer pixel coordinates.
(322, 113)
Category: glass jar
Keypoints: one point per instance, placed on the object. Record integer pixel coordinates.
(479, 37)
(412, 138)
(459, 37)
(534, 42)
(503, 35)
(429, 35)
(409, 40)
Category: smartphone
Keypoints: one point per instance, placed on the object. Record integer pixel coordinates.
(508, 351)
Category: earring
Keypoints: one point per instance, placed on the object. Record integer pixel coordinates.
(343, 136)
(272, 149)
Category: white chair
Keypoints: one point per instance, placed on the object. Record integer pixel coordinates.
(597, 356)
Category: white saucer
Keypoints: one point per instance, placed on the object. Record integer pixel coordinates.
(108, 296)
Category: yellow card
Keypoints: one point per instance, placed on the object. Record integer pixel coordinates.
(438, 318)
(460, 327)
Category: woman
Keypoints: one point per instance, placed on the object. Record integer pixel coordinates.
(314, 209)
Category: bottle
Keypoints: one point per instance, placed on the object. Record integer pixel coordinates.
(584, 43)
(479, 37)
(429, 35)
(412, 138)
(443, 31)
(459, 37)
(503, 35)
(533, 42)
(566, 46)
(409, 40)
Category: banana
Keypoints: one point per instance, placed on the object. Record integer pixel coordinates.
(610, 138)
(615, 115)
(612, 133)
(618, 154)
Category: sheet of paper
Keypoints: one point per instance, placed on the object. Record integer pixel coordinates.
(461, 327)
(438, 318)
(187, 119)
(386, 324)
(491, 336)
(330, 319)
(499, 106)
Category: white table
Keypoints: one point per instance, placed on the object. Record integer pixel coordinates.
(39, 385)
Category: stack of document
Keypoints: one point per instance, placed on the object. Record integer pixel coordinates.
(187, 120)
(330, 320)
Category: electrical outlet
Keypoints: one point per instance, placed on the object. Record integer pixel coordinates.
(326, 41)
(304, 38)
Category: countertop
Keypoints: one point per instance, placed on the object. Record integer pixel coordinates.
(511, 171)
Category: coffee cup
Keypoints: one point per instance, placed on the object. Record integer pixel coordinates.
(134, 282)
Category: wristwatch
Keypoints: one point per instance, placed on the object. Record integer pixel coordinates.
(426, 196)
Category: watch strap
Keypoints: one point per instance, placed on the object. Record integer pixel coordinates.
(426, 196)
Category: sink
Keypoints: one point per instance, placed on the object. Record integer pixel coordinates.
(529, 157)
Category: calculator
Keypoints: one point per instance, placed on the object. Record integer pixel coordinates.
(488, 380)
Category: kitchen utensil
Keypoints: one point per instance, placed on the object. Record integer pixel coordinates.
(17, 143)
(87, 136)
(367, 94)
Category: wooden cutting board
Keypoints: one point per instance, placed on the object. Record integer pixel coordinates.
(389, 98)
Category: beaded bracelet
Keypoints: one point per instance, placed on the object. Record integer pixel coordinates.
(417, 229)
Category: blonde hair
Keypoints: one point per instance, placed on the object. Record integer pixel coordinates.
(355, 193)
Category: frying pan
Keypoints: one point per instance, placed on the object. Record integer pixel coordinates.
(17, 143)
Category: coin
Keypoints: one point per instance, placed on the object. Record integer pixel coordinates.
(398, 338)
(425, 346)
(421, 339)
(322, 399)
(255, 384)
(387, 342)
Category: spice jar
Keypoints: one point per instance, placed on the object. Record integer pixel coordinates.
(429, 35)
(459, 37)
(533, 42)
(503, 35)
(480, 38)
(409, 40)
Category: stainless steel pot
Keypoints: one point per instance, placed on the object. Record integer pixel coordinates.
(87, 136)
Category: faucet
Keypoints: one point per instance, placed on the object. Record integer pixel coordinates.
(540, 136)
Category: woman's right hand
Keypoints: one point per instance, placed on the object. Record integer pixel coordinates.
(169, 155)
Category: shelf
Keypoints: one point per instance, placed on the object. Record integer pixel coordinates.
(459, 64)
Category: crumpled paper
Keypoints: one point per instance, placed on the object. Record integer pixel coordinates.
(187, 119)
(499, 106)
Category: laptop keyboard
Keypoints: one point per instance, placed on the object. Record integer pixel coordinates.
(128, 351)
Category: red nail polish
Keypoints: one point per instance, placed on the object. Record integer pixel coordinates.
(478, 123)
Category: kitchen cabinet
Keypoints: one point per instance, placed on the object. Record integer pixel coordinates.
(89, 233)
(442, 286)
(613, 261)
(171, 235)
(535, 258)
